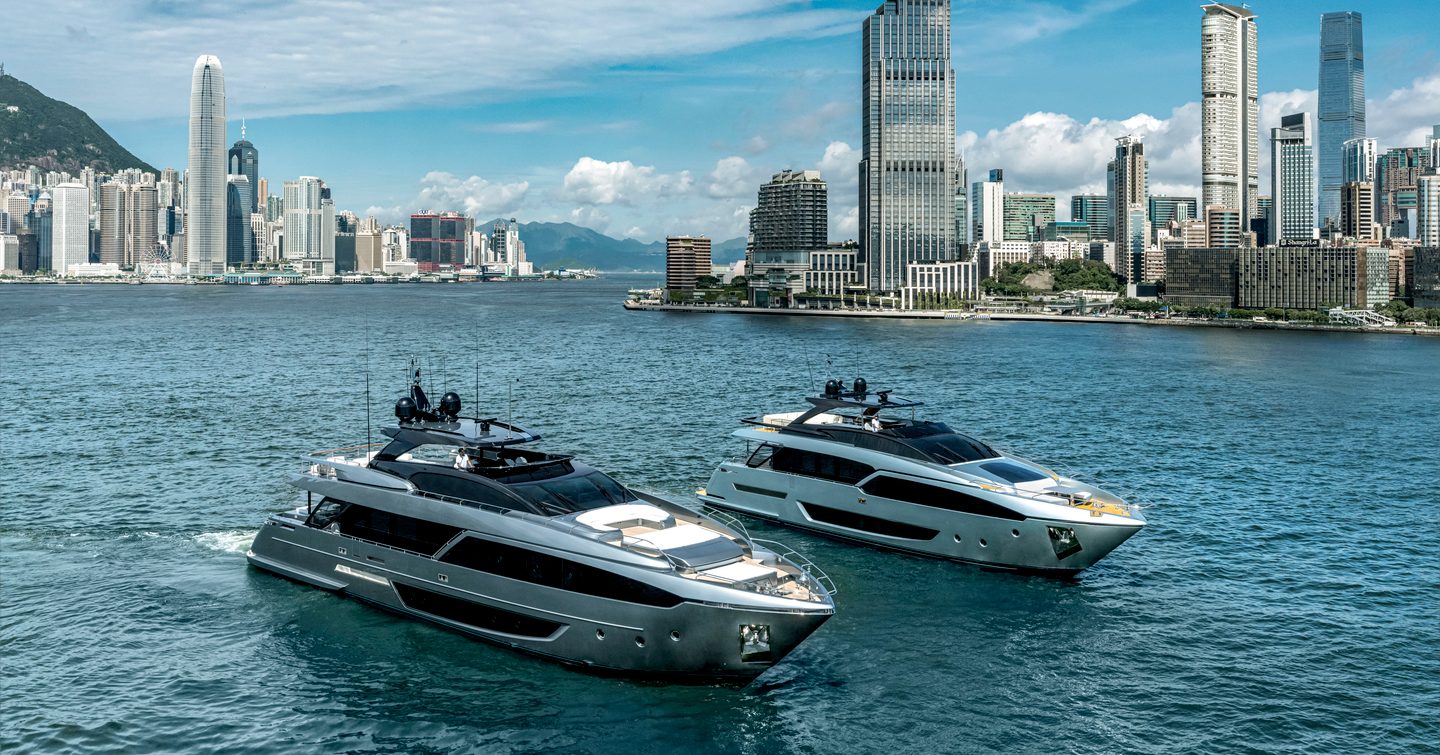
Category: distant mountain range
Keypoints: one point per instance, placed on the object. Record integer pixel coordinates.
(37, 130)
(552, 245)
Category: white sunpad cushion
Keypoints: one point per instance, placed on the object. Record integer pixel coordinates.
(604, 518)
(740, 571)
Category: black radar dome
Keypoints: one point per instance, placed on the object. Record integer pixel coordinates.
(405, 409)
(450, 404)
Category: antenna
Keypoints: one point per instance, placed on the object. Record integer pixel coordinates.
(475, 334)
(368, 439)
(242, 129)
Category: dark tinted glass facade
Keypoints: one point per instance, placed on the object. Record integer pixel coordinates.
(1200, 277)
(552, 571)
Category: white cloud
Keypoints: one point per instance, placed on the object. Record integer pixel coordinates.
(845, 224)
(593, 181)
(590, 217)
(1055, 153)
(333, 56)
(756, 144)
(1404, 118)
(473, 196)
(733, 177)
(840, 166)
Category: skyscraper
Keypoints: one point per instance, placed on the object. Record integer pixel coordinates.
(1165, 209)
(1024, 216)
(1342, 103)
(244, 160)
(304, 223)
(1292, 179)
(1428, 210)
(790, 220)
(205, 184)
(1357, 162)
(1094, 211)
(1357, 211)
(239, 236)
(128, 220)
(70, 240)
(1131, 189)
(791, 214)
(1229, 129)
(908, 173)
(987, 207)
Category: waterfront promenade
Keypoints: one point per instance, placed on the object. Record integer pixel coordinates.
(965, 315)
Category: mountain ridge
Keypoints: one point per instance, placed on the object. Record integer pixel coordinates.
(550, 245)
(55, 135)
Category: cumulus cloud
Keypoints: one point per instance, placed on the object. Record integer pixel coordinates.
(846, 224)
(592, 181)
(733, 177)
(1055, 153)
(840, 165)
(1404, 117)
(473, 196)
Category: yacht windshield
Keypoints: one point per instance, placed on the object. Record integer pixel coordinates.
(576, 493)
(943, 445)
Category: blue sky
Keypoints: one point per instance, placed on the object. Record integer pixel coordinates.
(644, 117)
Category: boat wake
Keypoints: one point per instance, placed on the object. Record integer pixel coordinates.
(227, 541)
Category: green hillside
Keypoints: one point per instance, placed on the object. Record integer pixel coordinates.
(38, 130)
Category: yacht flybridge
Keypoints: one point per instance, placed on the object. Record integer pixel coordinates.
(458, 521)
(859, 466)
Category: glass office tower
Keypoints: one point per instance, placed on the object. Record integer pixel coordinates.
(1342, 104)
(908, 171)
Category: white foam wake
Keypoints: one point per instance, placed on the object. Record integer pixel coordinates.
(229, 541)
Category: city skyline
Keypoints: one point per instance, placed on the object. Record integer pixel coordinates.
(643, 177)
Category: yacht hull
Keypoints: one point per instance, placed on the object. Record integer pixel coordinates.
(690, 639)
(844, 512)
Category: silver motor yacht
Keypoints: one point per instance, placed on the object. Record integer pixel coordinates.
(458, 521)
(859, 466)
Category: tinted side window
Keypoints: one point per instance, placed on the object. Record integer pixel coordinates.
(937, 497)
(474, 614)
(551, 571)
(824, 466)
(395, 530)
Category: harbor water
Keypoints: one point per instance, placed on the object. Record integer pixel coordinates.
(1284, 598)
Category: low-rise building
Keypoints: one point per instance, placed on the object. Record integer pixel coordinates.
(1200, 277)
(832, 270)
(1308, 277)
(994, 255)
(931, 283)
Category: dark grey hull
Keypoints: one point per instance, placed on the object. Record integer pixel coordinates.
(692, 639)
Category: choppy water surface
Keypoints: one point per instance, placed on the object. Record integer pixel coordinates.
(1286, 597)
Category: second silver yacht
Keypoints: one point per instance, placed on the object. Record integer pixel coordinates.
(859, 466)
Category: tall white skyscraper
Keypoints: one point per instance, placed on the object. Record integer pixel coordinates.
(310, 226)
(987, 207)
(908, 175)
(70, 239)
(1427, 209)
(205, 185)
(1292, 179)
(1229, 107)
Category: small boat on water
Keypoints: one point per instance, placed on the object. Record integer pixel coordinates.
(461, 522)
(859, 466)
